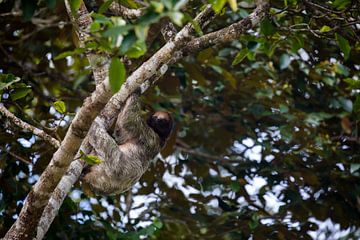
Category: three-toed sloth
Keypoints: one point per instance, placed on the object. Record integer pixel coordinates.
(127, 154)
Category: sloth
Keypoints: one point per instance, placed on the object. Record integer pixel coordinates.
(126, 154)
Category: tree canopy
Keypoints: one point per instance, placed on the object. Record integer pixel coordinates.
(266, 143)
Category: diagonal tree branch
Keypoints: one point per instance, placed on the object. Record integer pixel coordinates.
(76, 167)
(38, 132)
(40, 194)
(125, 12)
(38, 197)
(229, 33)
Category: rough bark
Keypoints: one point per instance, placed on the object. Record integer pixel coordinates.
(229, 33)
(38, 132)
(39, 196)
(125, 12)
(254, 18)
(58, 196)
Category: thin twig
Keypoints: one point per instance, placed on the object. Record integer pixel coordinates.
(38, 132)
(19, 157)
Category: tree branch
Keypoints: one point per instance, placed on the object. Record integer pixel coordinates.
(107, 116)
(58, 196)
(76, 167)
(229, 33)
(38, 197)
(38, 132)
(19, 157)
(125, 12)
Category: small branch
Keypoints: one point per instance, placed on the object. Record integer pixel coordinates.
(346, 139)
(26, 224)
(168, 31)
(322, 7)
(219, 159)
(58, 196)
(98, 62)
(145, 75)
(145, 71)
(38, 132)
(221, 36)
(125, 12)
(228, 33)
(19, 157)
(150, 70)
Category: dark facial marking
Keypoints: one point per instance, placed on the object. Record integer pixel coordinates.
(161, 123)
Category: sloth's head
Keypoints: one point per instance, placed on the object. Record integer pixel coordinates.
(162, 123)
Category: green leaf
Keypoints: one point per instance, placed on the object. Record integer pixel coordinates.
(51, 4)
(341, 69)
(325, 28)
(353, 83)
(157, 223)
(168, 4)
(28, 8)
(267, 28)
(75, 5)
(69, 53)
(297, 42)
(314, 119)
(329, 80)
(95, 26)
(217, 5)
(7, 80)
(90, 159)
(343, 45)
(284, 61)
(235, 186)
(341, 4)
(60, 106)
(286, 133)
(268, 48)
(346, 104)
(243, 13)
(354, 167)
(127, 42)
(176, 17)
(100, 18)
(114, 32)
(283, 108)
(141, 32)
(157, 6)
(117, 74)
(233, 5)
(105, 6)
(240, 56)
(356, 106)
(253, 46)
(137, 50)
(20, 93)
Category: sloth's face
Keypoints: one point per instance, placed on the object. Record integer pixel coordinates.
(161, 122)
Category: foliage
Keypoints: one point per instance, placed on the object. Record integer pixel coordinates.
(267, 127)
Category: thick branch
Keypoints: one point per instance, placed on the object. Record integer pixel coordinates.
(37, 199)
(38, 132)
(125, 12)
(229, 33)
(49, 215)
(156, 65)
(98, 62)
(76, 167)
(58, 196)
